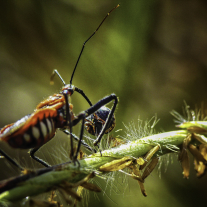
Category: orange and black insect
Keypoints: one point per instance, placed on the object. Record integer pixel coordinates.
(55, 112)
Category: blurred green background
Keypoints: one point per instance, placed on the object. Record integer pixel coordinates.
(151, 54)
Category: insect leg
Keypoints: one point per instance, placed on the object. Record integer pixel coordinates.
(75, 88)
(81, 136)
(69, 124)
(94, 108)
(109, 99)
(82, 117)
(84, 95)
(82, 141)
(11, 160)
(32, 152)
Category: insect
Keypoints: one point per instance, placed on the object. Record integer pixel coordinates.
(55, 112)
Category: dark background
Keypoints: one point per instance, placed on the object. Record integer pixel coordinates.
(151, 54)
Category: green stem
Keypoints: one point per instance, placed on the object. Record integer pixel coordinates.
(168, 142)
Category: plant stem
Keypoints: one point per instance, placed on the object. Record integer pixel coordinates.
(168, 142)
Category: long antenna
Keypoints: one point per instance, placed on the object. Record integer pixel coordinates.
(52, 77)
(88, 40)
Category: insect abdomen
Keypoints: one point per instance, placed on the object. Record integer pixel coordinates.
(38, 129)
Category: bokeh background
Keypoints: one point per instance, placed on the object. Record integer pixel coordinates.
(151, 54)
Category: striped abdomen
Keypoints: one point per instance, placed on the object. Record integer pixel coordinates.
(32, 130)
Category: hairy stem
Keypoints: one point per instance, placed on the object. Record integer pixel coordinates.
(168, 142)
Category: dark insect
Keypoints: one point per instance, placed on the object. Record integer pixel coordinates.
(55, 112)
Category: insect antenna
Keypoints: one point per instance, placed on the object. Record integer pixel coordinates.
(53, 75)
(88, 40)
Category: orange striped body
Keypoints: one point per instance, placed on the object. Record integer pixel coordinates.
(36, 129)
